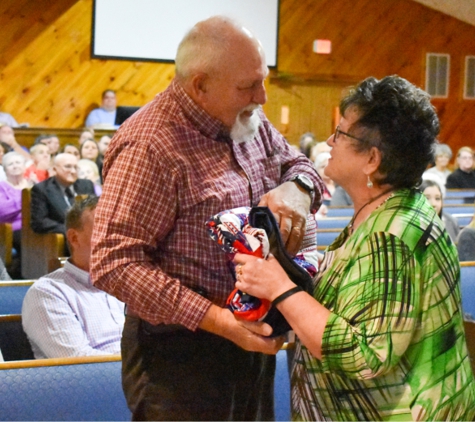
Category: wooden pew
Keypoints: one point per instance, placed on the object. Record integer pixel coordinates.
(467, 287)
(41, 253)
(6, 243)
(332, 222)
(459, 196)
(14, 342)
(67, 389)
(12, 294)
(340, 211)
(470, 338)
(325, 237)
(26, 136)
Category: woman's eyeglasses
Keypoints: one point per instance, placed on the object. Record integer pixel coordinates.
(338, 131)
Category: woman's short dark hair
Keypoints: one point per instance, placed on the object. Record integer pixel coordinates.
(397, 118)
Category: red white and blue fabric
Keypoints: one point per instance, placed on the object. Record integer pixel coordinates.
(231, 230)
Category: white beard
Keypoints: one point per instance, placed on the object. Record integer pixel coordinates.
(244, 129)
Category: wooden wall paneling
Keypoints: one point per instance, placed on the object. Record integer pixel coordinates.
(311, 106)
(49, 79)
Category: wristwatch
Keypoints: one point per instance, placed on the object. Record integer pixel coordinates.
(305, 183)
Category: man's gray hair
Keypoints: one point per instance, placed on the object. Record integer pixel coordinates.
(203, 47)
(12, 154)
(442, 149)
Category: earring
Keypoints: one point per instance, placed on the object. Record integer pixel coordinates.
(369, 183)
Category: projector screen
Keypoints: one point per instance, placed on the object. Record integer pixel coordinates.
(150, 30)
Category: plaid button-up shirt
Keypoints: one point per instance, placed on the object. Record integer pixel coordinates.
(169, 168)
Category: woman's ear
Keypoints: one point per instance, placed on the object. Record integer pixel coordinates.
(374, 161)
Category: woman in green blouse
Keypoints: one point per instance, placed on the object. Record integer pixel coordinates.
(382, 337)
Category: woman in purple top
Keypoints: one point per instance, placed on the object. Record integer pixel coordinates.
(10, 198)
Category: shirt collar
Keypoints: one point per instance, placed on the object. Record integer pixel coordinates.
(77, 274)
(207, 125)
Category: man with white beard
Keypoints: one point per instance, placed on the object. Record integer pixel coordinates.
(200, 147)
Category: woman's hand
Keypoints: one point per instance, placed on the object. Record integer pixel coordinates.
(261, 278)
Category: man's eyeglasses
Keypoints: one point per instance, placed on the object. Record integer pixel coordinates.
(338, 131)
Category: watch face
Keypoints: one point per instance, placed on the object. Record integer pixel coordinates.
(304, 181)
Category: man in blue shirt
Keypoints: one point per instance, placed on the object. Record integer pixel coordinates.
(63, 314)
(104, 117)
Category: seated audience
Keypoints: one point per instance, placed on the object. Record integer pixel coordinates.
(39, 170)
(51, 198)
(466, 242)
(71, 149)
(86, 134)
(442, 157)
(89, 150)
(104, 116)
(340, 198)
(434, 193)
(464, 176)
(306, 142)
(320, 163)
(52, 141)
(10, 201)
(103, 145)
(318, 148)
(89, 170)
(63, 314)
(7, 136)
(8, 119)
(4, 148)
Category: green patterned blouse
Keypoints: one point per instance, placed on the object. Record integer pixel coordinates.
(394, 345)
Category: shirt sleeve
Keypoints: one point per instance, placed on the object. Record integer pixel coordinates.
(373, 321)
(294, 162)
(10, 207)
(137, 212)
(52, 326)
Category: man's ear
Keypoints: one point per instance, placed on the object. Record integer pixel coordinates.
(199, 85)
(72, 237)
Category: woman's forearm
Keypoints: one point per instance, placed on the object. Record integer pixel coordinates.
(308, 319)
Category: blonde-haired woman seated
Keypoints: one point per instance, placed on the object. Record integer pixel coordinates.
(88, 169)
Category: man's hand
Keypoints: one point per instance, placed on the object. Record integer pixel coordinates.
(9, 139)
(290, 205)
(248, 335)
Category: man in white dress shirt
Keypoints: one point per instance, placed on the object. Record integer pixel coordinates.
(63, 314)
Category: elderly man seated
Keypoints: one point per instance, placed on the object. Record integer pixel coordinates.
(51, 198)
(63, 314)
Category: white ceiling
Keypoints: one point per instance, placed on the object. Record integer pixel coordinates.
(460, 9)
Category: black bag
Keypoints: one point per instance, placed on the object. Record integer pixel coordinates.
(262, 218)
